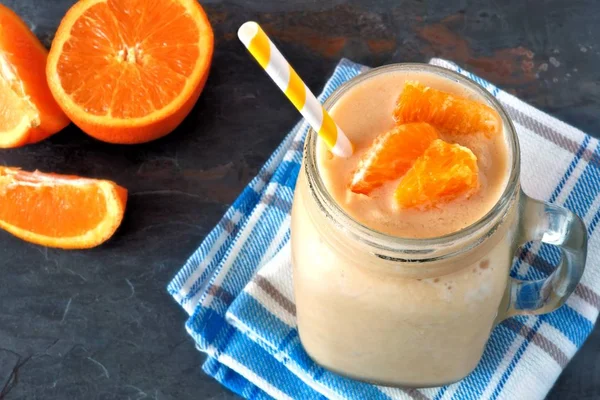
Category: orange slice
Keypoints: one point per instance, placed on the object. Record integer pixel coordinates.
(443, 173)
(129, 71)
(419, 103)
(62, 211)
(391, 155)
(28, 112)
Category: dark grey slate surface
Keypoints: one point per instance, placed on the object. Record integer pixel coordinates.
(98, 324)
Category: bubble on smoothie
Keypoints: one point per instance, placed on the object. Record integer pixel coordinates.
(484, 264)
(479, 292)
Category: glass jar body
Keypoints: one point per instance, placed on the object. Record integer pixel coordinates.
(394, 328)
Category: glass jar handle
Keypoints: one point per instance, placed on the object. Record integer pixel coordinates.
(554, 225)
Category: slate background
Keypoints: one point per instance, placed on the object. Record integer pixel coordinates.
(98, 324)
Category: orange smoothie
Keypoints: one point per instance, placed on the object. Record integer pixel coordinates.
(371, 314)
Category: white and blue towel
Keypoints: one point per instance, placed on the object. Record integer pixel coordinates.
(237, 287)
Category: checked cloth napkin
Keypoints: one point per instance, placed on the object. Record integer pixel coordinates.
(237, 287)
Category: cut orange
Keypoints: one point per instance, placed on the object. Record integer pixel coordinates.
(391, 155)
(28, 112)
(61, 211)
(129, 71)
(443, 173)
(419, 103)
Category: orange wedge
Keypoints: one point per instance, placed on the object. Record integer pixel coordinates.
(419, 103)
(443, 173)
(129, 71)
(28, 112)
(61, 211)
(391, 155)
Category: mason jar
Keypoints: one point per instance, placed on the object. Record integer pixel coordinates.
(418, 312)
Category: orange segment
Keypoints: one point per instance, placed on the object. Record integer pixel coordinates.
(28, 112)
(419, 103)
(391, 155)
(61, 211)
(443, 173)
(129, 71)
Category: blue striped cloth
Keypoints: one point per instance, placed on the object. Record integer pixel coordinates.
(237, 286)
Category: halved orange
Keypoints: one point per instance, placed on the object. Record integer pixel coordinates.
(61, 211)
(28, 112)
(129, 71)
(420, 103)
(391, 155)
(443, 173)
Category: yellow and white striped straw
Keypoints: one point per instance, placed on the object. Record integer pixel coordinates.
(277, 67)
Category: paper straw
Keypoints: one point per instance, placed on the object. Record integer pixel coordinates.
(277, 67)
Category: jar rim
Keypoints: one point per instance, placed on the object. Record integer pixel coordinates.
(412, 246)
